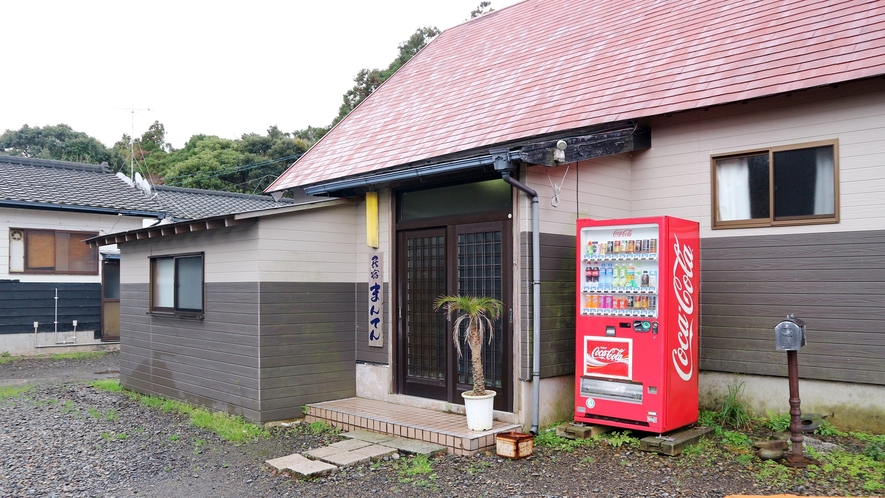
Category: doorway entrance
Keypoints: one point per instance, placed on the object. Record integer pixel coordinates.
(460, 246)
(110, 300)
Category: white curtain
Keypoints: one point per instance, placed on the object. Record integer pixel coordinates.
(824, 191)
(164, 279)
(733, 188)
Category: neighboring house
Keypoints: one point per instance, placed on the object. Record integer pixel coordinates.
(55, 290)
(762, 121)
(189, 203)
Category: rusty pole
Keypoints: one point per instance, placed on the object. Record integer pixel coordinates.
(797, 457)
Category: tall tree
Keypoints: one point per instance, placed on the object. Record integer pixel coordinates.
(368, 80)
(59, 142)
(484, 7)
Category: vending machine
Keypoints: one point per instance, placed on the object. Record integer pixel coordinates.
(636, 347)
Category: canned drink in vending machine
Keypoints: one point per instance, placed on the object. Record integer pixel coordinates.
(653, 246)
(594, 301)
(607, 302)
(652, 303)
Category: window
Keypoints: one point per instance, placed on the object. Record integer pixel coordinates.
(52, 251)
(177, 284)
(780, 186)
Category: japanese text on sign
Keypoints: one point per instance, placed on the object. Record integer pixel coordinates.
(376, 301)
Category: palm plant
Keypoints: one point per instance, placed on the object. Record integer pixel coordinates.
(479, 313)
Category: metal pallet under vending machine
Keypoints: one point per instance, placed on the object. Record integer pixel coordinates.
(637, 323)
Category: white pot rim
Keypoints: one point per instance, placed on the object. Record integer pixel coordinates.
(489, 394)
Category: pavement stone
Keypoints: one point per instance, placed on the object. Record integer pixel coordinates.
(372, 437)
(301, 466)
(415, 447)
(350, 444)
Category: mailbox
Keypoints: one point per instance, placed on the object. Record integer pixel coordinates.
(789, 334)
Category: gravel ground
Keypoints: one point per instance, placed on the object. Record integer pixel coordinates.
(65, 438)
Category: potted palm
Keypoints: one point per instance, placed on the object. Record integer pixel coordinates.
(478, 312)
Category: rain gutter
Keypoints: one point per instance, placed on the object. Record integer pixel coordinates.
(504, 164)
(373, 181)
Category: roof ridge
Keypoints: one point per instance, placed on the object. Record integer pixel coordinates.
(54, 163)
(225, 193)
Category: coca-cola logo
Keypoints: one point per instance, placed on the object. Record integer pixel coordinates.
(611, 355)
(683, 288)
(623, 233)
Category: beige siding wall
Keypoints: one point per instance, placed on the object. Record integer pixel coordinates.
(673, 177)
(317, 245)
(229, 253)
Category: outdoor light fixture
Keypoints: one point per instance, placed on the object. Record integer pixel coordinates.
(559, 153)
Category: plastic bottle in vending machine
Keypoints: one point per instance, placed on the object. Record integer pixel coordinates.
(631, 276)
(652, 279)
(644, 278)
(622, 276)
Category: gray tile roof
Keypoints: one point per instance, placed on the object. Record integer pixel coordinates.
(50, 184)
(190, 203)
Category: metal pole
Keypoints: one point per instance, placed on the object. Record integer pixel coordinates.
(797, 456)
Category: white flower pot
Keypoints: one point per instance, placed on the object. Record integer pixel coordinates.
(479, 410)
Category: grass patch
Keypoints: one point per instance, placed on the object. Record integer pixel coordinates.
(232, 428)
(112, 385)
(13, 391)
(548, 438)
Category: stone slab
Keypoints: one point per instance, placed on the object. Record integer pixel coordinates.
(375, 451)
(371, 437)
(350, 444)
(574, 431)
(415, 447)
(301, 466)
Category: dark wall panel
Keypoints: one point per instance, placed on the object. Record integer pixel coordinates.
(833, 281)
(213, 362)
(308, 346)
(23, 303)
(557, 304)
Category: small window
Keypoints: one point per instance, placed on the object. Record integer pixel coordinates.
(780, 186)
(177, 284)
(52, 252)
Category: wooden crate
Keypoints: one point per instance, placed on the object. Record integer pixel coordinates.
(673, 442)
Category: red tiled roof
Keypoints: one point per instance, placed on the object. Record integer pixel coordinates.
(545, 66)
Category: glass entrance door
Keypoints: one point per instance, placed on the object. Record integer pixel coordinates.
(466, 259)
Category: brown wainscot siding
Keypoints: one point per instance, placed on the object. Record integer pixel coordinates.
(211, 362)
(307, 345)
(833, 281)
(557, 304)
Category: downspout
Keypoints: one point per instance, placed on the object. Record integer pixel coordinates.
(506, 167)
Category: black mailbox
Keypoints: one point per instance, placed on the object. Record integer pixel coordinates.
(789, 335)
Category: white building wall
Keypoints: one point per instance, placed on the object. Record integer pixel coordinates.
(57, 220)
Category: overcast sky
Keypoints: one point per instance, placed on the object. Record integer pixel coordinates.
(217, 68)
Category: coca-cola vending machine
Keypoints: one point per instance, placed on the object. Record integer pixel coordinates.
(637, 323)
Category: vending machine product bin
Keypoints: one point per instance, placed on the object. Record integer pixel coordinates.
(636, 347)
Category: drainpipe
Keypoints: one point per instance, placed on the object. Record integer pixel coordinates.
(506, 167)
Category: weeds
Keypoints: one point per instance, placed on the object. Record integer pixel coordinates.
(735, 412)
(419, 470)
(13, 391)
(617, 439)
(828, 429)
(778, 422)
(548, 438)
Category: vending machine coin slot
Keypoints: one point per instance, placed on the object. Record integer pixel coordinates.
(641, 326)
(609, 331)
(654, 328)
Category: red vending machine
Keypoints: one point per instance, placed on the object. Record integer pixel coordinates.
(636, 348)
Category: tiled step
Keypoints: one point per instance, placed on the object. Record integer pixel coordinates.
(446, 429)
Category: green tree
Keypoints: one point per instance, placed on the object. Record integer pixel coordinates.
(368, 80)
(58, 142)
(483, 8)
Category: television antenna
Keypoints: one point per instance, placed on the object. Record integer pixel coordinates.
(132, 110)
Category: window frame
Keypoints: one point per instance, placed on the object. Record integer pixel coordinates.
(772, 221)
(175, 310)
(28, 232)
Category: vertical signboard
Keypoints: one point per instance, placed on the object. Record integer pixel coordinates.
(376, 301)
